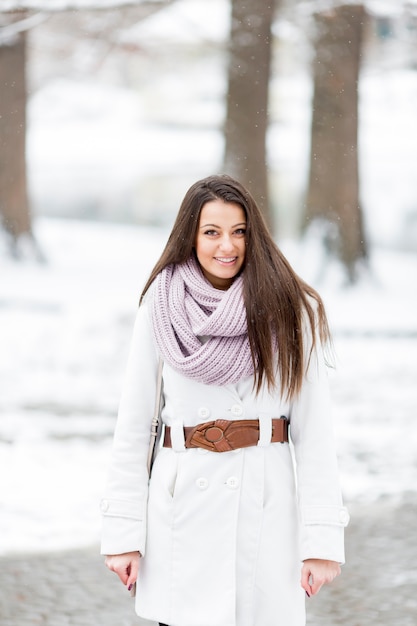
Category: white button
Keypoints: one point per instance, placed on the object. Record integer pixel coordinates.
(203, 412)
(232, 482)
(344, 516)
(104, 505)
(236, 410)
(202, 483)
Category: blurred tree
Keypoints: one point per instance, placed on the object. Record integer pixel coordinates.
(16, 19)
(247, 97)
(333, 192)
(14, 206)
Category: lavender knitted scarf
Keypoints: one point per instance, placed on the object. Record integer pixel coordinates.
(185, 307)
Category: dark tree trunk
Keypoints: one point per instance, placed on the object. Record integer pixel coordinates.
(333, 193)
(247, 97)
(14, 206)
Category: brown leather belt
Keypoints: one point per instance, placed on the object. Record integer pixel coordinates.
(226, 435)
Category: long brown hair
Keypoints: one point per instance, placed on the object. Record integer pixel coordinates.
(277, 301)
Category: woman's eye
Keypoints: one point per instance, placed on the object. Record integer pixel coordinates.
(210, 232)
(240, 231)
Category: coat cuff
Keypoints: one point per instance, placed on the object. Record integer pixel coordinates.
(322, 532)
(123, 527)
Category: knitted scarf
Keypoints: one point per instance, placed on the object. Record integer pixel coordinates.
(201, 331)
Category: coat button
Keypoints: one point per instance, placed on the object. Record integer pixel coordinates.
(344, 516)
(236, 410)
(202, 483)
(203, 412)
(232, 482)
(104, 505)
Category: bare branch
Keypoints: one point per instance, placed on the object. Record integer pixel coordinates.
(9, 32)
(62, 6)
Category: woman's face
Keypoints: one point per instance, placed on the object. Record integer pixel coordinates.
(220, 243)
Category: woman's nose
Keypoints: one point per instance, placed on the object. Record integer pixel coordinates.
(226, 243)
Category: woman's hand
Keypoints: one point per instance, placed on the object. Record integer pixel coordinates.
(126, 566)
(317, 572)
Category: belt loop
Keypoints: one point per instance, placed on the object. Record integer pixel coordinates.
(177, 436)
(265, 430)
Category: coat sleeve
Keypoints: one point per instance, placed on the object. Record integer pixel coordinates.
(322, 514)
(125, 500)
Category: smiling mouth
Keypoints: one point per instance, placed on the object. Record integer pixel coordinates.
(226, 260)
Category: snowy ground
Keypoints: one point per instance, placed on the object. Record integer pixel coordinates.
(64, 333)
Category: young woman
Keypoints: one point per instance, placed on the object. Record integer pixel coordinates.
(229, 531)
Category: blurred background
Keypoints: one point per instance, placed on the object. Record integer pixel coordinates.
(109, 111)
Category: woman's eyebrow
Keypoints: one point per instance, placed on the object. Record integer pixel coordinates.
(207, 225)
(216, 226)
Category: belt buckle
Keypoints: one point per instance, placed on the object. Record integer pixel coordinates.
(211, 433)
(210, 436)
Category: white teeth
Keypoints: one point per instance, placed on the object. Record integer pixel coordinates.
(226, 260)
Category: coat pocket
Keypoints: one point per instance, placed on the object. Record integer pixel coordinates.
(165, 473)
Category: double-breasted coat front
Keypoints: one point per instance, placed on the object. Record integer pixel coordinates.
(222, 534)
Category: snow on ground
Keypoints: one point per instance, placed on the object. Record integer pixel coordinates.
(65, 328)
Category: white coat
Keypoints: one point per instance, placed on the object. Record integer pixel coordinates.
(222, 534)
